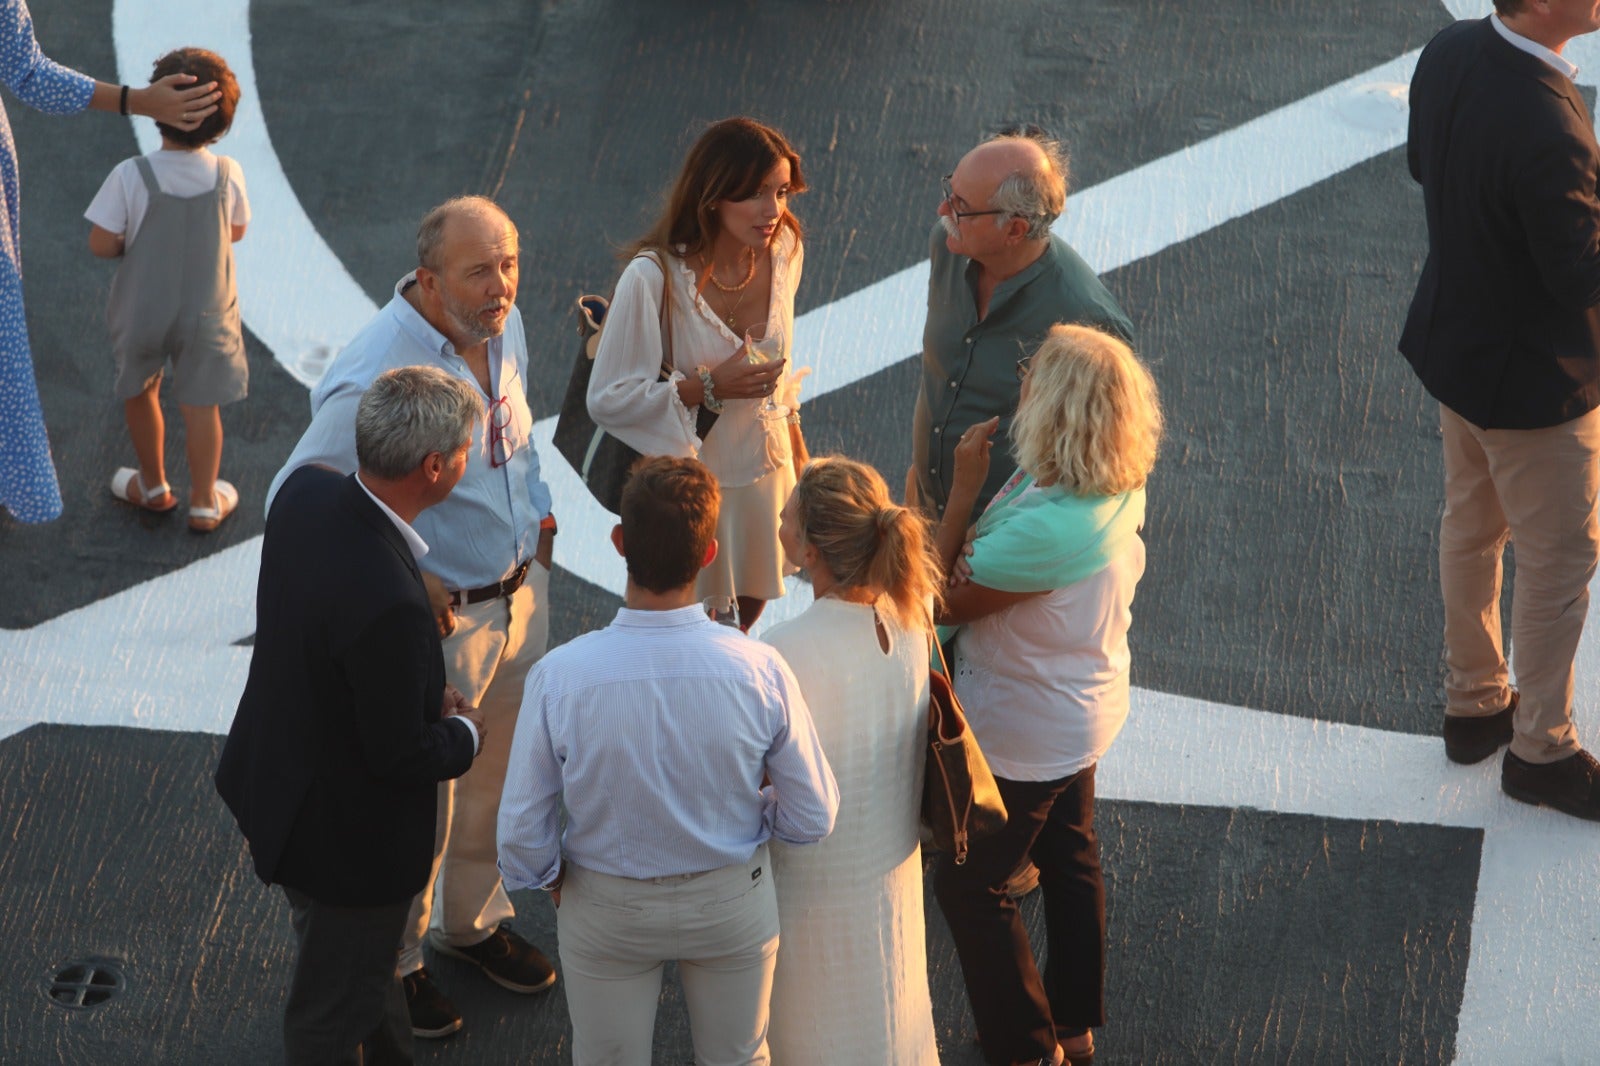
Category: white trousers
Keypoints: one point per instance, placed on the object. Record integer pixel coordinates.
(488, 657)
(616, 933)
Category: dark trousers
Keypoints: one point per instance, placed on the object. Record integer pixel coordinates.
(1018, 1014)
(346, 1006)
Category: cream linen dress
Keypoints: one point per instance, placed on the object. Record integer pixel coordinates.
(852, 978)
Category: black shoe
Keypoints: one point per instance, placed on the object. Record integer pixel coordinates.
(1473, 739)
(432, 1015)
(1023, 880)
(507, 960)
(1570, 785)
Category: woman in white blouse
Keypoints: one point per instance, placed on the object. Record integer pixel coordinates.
(1041, 665)
(732, 253)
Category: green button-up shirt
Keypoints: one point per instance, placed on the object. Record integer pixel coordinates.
(969, 368)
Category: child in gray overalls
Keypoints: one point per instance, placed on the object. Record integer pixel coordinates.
(172, 217)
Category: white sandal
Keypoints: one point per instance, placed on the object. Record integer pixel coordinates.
(224, 498)
(122, 487)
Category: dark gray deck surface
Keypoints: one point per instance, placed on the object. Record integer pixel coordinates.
(1292, 523)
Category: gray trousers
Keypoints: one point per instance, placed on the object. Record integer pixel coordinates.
(346, 1006)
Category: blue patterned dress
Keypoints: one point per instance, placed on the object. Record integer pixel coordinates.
(27, 477)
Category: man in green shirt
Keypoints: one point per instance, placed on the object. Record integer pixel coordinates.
(999, 281)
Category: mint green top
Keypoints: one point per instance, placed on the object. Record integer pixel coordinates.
(1047, 539)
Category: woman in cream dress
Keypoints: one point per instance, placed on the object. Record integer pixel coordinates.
(732, 255)
(851, 987)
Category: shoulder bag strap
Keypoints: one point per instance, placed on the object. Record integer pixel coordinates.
(665, 318)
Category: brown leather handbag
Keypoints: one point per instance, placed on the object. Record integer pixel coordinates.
(960, 801)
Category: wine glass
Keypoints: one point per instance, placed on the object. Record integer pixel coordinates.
(763, 347)
(723, 610)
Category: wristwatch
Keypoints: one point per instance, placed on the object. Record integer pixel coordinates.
(709, 401)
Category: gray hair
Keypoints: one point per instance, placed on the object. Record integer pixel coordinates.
(1036, 196)
(430, 233)
(408, 414)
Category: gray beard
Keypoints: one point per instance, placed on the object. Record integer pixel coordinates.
(470, 325)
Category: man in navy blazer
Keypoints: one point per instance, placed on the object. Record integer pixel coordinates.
(346, 724)
(1504, 331)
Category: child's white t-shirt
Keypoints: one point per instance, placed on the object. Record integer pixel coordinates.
(120, 204)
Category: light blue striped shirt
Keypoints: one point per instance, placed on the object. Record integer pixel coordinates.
(654, 734)
(490, 521)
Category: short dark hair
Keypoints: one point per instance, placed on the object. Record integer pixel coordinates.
(669, 517)
(1508, 7)
(207, 67)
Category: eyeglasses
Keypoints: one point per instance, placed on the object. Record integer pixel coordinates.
(500, 443)
(1023, 365)
(950, 202)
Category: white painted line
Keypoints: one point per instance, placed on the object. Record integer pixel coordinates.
(157, 656)
(1173, 746)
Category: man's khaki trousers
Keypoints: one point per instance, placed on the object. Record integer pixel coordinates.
(1537, 489)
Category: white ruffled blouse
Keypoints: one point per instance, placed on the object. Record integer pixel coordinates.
(628, 398)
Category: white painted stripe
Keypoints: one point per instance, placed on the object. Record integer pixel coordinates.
(156, 656)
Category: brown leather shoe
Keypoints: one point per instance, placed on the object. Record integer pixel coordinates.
(1473, 739)
(1570, 785)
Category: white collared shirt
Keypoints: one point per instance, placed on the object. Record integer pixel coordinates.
(413, 539)
(653, 735)
(1533, 48)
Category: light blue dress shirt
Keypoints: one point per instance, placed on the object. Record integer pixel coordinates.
(654, 733)
(490, 522)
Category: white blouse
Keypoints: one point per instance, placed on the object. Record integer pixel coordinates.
(1044, 682)
(628, 398)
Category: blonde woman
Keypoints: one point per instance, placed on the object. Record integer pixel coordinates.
(852, 978)
(1041, 667)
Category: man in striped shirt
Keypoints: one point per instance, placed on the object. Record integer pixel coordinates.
(677, 748)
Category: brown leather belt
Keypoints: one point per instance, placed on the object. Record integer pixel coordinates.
(505, 587)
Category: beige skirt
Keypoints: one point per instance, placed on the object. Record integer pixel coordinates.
(749, 558)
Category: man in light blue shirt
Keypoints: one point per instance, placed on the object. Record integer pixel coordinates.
(654, 737)
(487, 573)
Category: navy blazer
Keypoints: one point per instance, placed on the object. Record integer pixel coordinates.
(332, 762)
(1504, 329)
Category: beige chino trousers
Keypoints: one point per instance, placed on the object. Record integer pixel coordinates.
(1536, 488)
(488, 657)
(616, 933)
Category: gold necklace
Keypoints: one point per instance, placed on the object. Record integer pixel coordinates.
(733, 312)
(748, 278)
